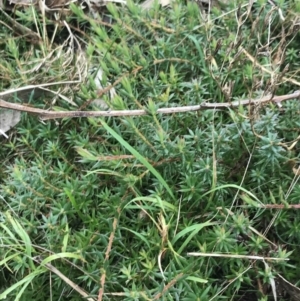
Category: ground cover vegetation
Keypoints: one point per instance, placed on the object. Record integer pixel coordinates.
(201, 205)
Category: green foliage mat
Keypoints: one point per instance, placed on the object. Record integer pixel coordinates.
(191, 206)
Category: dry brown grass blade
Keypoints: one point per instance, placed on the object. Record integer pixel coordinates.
(293, 290)
(168, 286)
(198, 254)
(54, 270)
(255, 62)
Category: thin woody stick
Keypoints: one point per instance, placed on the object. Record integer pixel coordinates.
(78, 289)
(45, 115)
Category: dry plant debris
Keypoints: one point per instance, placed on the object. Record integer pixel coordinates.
(120, 203)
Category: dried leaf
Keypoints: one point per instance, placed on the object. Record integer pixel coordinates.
(100, 103)
(296, 171)
(8, 119)
(149, 3)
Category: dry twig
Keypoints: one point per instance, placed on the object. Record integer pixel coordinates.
(45, 115)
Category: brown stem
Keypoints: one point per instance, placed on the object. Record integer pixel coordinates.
(44, 114)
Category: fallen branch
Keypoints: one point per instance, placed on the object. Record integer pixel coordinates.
(45, 115)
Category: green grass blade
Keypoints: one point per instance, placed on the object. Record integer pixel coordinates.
(194, 229)
(24, 237)
(236, 187)
(138, 156)
(25, 282)
(139, 235)
(196, 279)
(75, 205)
(61, 255)
(156, 201)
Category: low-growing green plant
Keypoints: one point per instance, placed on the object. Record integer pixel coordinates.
(200, 205)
